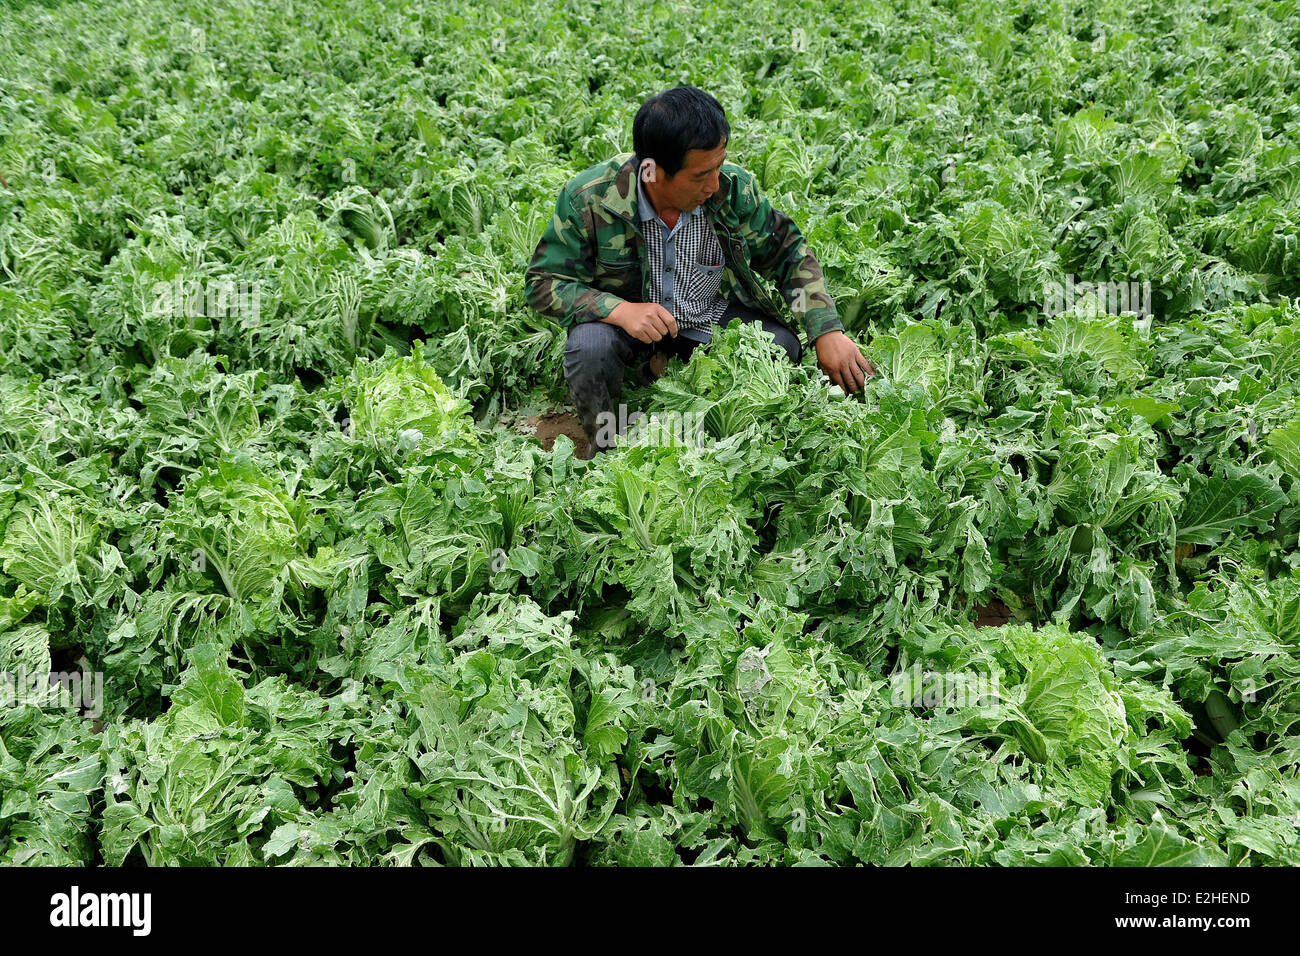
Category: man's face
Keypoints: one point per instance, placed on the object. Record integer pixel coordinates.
(696, 181)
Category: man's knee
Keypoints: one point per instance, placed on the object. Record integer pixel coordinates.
(593, 347)
(786, 338)
(784, 335)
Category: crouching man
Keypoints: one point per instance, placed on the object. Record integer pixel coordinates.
(649, 252)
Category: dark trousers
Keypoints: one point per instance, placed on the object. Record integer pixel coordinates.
(597, 355)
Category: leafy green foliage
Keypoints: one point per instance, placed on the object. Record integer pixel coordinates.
(261, 306)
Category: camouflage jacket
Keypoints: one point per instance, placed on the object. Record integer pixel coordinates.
(590, 256)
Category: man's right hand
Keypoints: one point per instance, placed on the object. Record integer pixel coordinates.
(644, 321)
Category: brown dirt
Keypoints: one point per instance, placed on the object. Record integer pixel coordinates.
(549, 426)
(993, 614)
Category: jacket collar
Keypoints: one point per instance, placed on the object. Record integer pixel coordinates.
(620, 196)
(645, 209)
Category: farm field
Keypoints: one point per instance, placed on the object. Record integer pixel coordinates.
(287, 576)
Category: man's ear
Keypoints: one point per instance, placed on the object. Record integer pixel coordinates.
(649, 172)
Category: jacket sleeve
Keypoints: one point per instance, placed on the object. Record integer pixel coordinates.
(782, 255)
(557, 281)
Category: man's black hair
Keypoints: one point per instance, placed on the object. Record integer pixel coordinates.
(671, 122)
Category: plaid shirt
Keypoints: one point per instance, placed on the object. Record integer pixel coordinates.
(685, 265)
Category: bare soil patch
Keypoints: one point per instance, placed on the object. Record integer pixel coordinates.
(993, 614)
(550, 425)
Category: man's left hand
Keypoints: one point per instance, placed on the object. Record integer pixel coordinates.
(843, 361)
